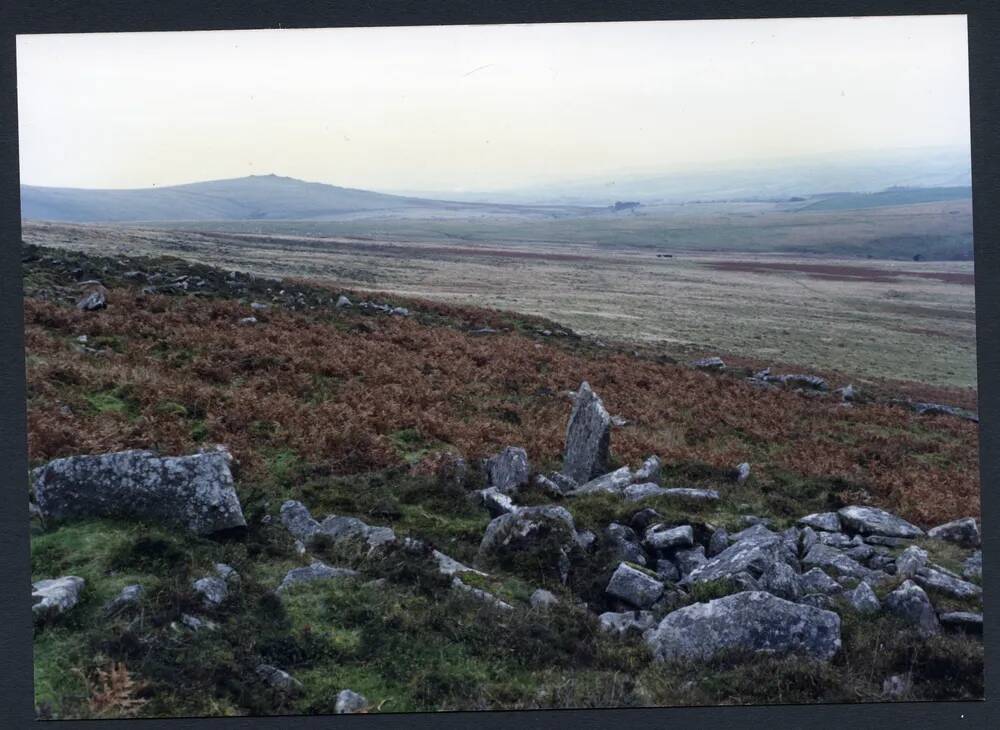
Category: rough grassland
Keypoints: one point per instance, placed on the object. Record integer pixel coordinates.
(347, 411)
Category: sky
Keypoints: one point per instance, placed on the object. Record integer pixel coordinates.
(482, 107)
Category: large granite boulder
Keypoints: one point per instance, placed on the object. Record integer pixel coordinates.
(753, 556)
(508, 471)
(588, 437)
(874, 521)
(195, 492)
(749, 621)
(531, 539)
(964, 532)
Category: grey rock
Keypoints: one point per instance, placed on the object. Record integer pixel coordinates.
(508, 471)
(626, 622)
(298, 521)
(350, 702)
(796, 380)
(661, 537)
(718, 542)
(195, 492)
(649, 471)
(834, 539)
(883, 541)
(964, 621)
(973, 566)
(750, 621)
(259, 306)
(613, 483)
(549, 486)
(742, 472)
(212, 590)
(861, 553)
(55, 596)
(754, 520)
(342, 301)
(809, 538)
(278, 679)
(565, 483)
(873, 521)
(585, 540)
(930, 578)
(625, 543)
(129, 596)
(546, 531)
(667, 570)
(864, 600)
(781, 580)
(542, 598)
(94, 300)
(823, 521)
(496, 502)
(756, 533)
(588, 437)
(449, 566)
(818, 600)
(337, 528)
(639, 492)
(828, 558)
(247, 320)
(896, 686)
(315, 571)
(634, 586)
(688, 560)
(752, 556)
(792, 537)
(910, 603)
(910, 561)
(847, 394)
(962, 532)
(197, 624)
(479, 594)
(709, 363)
(817, 580)
(686, 494)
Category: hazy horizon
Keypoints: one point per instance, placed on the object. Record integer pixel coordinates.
(477, 108)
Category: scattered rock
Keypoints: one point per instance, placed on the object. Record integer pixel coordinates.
(688, 560)
(94, 300)
(750, 621)
(212, 589)
(315, 571)
(828, 558)
(194, 491)
(449, 566)
(964, 621)
(742, 472)
(350, 702)
(807, 539)
(278, 679)
(781, 580)
(718, 542)
(342, 302)
(817, 580)
(129, 596)
(873, 521)
(480, 594)
(613, 482)
(298, 521)
(824, 521)
(542, 598)
(752, 556)
(910, 561)
(910, 603)
(847, 394)
(627, 622)
(508, 471)
(55, 596)
(667, 570)
(625, 543)
(962, 532)
(634, 586)
(197, 624)
(248, 320)
(547, 533)
(931, 578)
(496, 502)
(661, 537)
(650, 470)
(864, 600)
(797, 380)
(259, 306)
(588, 437)
(834, 539)
(709, 363)
(337, 528)
(973, 566)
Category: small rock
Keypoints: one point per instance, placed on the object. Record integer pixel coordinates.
(508, 470)
(650, 471)
(496, 502)
(864, 600)
(613, 482)
(824, 556)
(910, 603)
(129, 596)
(634, 586)
(259, 306)
(781, 580)
(350, 702)
(93, 301)
(342, 301)
(627, 621)
(212, 589)
(910, 561)
(542, 598)
(248, 320)
(196, 624)
(313, 572)
(709, 363)
(973, 566)
(661, 537)
(55, 596)
(808, 538)
(742, 472)
(278, 679)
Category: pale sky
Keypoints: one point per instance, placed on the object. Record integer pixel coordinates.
(482, 107)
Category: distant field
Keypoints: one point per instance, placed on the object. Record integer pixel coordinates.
(902, 196)
(904, 321)
(939, 230)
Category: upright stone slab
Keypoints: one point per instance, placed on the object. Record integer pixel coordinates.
(195, 492)
(588, 437)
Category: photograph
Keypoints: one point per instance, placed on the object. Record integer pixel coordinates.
(493, 367)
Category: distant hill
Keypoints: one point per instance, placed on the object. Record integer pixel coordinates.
(257, 197)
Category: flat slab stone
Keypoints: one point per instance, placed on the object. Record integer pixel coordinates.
(874, 521)
(613, 482)
(825, 521)
(965, 621)
(750, 621)
(314, 572)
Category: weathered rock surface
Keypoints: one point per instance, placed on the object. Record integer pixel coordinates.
(823, 521)
(781, 580)
(973, 566)
(613, 482)
(828, 558)
(864, 600)
(627, 621)
(936, 579)
(129, 596)
(964, 621)
(874, 521)
(910, 561)
(479, 594)
(649, 471)
(278, 679)
(910, 603)
(350, 702)
(962, 532)
(317, 570)
(661, 537)
(194, 491)
(588, 437)
(689, 559)
(709, 363)
(336, 528)
(625, 543)
(508, 471)
(212, 589)
(817, 580)
(717, 543)
(496, 502)
(634, 586)
(298, 521)
(55, 596)
(542, 598)
(546, 532)
(752, 555)
(750, 621)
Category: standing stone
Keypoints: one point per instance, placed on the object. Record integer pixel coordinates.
(278, 679)
(748, 621)
(962, 532)
(196, 491)
(588, 437)
(508, 471)
(910, 603)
